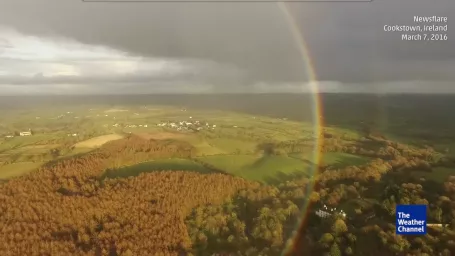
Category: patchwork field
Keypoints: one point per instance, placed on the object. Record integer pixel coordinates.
(231, 143)
(269, 138)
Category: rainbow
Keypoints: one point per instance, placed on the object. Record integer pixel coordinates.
(316, 103)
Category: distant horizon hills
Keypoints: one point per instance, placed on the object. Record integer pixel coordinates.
(276, 104)
(348, 110)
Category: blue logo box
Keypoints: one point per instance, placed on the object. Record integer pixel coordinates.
(411, 219)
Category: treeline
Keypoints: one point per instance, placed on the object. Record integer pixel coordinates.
(377, 147)
(399, 154)
(134, 149)
(81, 175)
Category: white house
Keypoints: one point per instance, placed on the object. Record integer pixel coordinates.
(25, 133)
(322, 214)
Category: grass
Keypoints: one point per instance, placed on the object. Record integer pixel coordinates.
(229, 163)
(231, 146)
(13, 170)
(203, 147)
(267, 169)
(175, 164)
(339, 160)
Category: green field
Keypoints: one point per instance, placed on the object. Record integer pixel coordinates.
(157, 165)
(339, 160)
(231, 146)
(203, 146)
(260, 168)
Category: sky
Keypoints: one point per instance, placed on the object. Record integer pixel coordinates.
(75, 47)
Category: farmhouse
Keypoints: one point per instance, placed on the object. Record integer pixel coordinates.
(25, 133)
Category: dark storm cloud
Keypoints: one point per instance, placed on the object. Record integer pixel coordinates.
(41, 79)
(349, 43)
(346, 40)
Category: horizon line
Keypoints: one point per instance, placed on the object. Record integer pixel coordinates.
(224, 93)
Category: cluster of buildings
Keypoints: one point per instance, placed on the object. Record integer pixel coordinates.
(325, 212)
(186, 125)
(27, 133)
(131, 125)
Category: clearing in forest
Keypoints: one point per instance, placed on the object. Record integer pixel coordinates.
(98, 141)
(267, 169)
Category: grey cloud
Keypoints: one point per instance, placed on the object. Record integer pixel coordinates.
(40, 79)
(346, 40)
(4, 43)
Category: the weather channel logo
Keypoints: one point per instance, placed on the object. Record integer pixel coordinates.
(411, 219)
